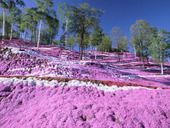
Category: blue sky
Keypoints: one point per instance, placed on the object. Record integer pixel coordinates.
(123, 13)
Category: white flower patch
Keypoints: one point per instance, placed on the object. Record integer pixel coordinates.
(30, 81)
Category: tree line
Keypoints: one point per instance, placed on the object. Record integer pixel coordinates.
(80, 26)
(37, 24)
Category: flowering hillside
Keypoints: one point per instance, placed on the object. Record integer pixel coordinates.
(23, 59)
(64, 64)
(50, 87)
(31, 103)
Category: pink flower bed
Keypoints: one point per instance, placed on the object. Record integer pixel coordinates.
(25, 106)
(57, 62)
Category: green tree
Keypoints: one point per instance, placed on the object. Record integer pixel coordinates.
(56, 42)
(116, 35)
(71, 42)
(7, 26)
(119, 40)
(141, 32)
(96, 38)
(14, 19)
(62, 41)
(52, 25)
(106, 45)
(64, 11)
(86, 42)
(43, 12)
(159, 48)
(122, 45)
(9, 5)
(82, 20)
(29, 23)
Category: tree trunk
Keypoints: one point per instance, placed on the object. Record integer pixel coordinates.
(135, 52)
(3, 29)
(162, 68)
(25, 35)
(95, 50)
(143, 61)
(81, 47)
(34, 36)
(142, 56)
(81, 43)
(148, 60)
(66, 29)
(20, 35)
(11, 31)
(51, 40)
(39, 34)
(118, 56)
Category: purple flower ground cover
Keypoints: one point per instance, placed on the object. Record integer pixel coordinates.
(27, 105)
(24, 106)
(16, 62)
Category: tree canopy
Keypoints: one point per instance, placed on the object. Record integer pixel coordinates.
(80, 25)
(83, 19)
